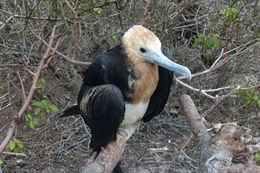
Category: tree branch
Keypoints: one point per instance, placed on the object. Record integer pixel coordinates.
(36, 75)
(22, 86)
(109, 157)
(145, 11)
(217, 152)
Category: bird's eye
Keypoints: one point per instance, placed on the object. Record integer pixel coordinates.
(142, 50)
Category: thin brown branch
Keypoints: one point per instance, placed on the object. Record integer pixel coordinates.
(229, 38)
(36, 75)
(145, 11)
(68, 59)
(22, 86)
(26, 68)
(52, 54)
(75, 44)
(73, 41)
(41, 29)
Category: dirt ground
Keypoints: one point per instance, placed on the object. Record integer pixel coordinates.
(61, 144)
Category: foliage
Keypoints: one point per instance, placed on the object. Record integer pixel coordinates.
(257, 158)
(115, 38)
(174, 111)
(98, 10)
(41, 84)
(31, 122)
(14, 145)
(1, 162)
(249, 97)
(44, 107)
(207, 42)
(230, 13)
(1, 86)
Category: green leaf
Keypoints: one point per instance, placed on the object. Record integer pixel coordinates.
(119, 29)
(84, 17)
(45, 103)
(31, 124)
(54, 108)
(48, 110)
(1, 162)
(1, 87)
(174, 111)
(258, 102)
(42, 80)
(35, 120)
(39, 104)
(37, 111)
(19, 143)
(45, 96)
(12, 145)
(98, 10)
(257, 157)
(16, 149)
(28, 117)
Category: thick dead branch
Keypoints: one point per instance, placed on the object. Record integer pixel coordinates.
(109, 157)
(217, 152)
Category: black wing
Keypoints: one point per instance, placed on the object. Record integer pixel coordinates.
(161, 93)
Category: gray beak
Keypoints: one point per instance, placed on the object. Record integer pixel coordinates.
(163, 61)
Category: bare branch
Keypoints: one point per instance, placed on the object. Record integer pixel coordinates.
(36, 75)
(22, 86)
(145, 11)
(217, 152)
(26, 68)
(109, 157)
(72, 38)
(68, 59)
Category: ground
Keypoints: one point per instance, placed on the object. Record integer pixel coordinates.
(62, 144)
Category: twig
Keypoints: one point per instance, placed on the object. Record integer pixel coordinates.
(145, 11)
(68, 59)
(72, 38)
(15, 154)
(22, 86)
(216, 65)
(26, 68)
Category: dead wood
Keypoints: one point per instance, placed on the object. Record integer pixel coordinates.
(217, 152)
(109, 157)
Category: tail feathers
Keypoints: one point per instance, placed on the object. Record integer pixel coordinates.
(71, 111)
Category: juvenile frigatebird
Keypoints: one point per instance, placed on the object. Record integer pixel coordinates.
(128, 83)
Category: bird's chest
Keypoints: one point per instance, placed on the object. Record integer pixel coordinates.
(142, 90)
(144, 86)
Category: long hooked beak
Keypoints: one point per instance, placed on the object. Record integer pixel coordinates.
(160, 59)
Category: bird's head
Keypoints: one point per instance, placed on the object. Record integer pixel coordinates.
(144, 45)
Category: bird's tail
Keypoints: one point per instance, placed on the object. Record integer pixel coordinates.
(71, 111)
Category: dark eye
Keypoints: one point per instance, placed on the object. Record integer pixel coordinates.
(142, 50)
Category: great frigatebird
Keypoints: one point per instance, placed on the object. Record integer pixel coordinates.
(128, 83)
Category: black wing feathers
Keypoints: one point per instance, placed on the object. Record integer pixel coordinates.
(104, 85)
(71, 111)
(105, 110)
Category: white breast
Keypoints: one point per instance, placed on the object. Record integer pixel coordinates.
(134, 112)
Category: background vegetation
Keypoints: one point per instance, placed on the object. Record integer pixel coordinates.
(194, 31)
